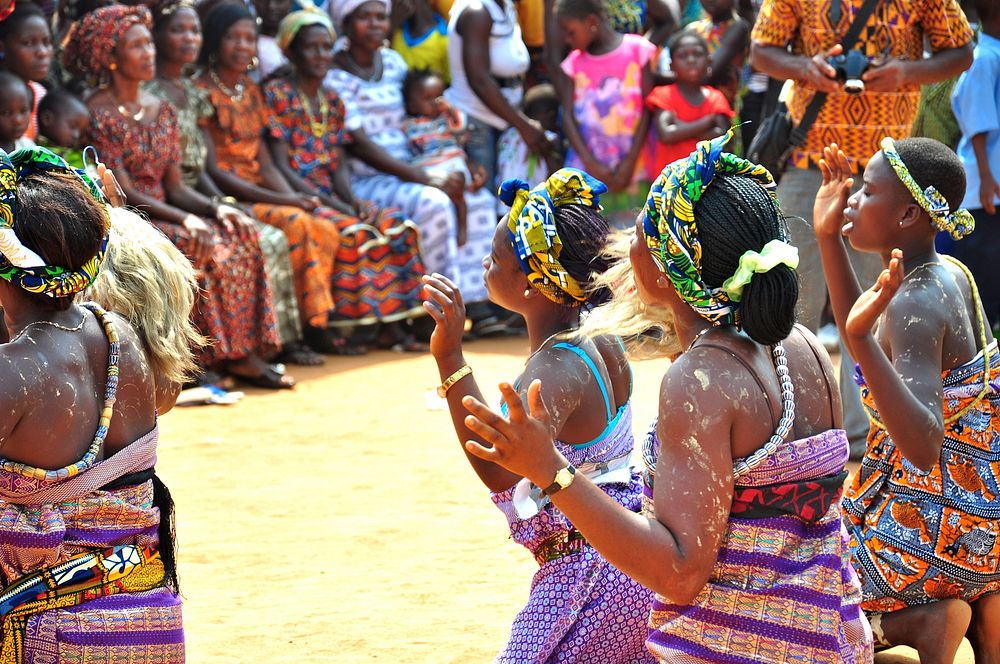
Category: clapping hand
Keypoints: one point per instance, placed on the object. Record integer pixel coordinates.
(875, 300)
(522, 442)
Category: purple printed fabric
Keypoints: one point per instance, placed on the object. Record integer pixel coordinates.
(782, 589)
(580, 608)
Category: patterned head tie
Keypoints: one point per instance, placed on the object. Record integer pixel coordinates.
(20, 265)
(89, 46)
(672, 233)
(532, 226)
(958, 224)
(294, 22)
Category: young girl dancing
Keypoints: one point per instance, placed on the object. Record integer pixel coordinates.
(923, 507)
(746, 550)
(581, 609)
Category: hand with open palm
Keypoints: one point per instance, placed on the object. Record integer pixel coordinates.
(522, 442)
(874, 301)
(831, 199)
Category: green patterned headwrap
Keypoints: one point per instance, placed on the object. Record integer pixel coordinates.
(20, 265)
(958, 224)
(672, 232)
(532, 225)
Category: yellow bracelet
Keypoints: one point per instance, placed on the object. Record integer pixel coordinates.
(443, 388)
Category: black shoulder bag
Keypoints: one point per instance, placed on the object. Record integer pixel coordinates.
(777, 137)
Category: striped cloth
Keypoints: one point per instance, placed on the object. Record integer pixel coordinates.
(782, 589)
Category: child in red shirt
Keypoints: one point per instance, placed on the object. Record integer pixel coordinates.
(687, 111)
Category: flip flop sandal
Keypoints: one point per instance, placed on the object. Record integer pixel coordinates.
(410, 345)
(301, 355)
(269, 378)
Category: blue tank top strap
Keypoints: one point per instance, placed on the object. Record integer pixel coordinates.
(597, 376)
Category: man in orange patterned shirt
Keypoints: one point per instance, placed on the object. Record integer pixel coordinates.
(792, 39)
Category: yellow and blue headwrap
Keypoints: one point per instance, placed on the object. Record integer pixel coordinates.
(20, 265)
(293, 23)
(670, 228)
(532, 226)
(958, 223)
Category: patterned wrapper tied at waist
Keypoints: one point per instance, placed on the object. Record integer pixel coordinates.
(920, 536)
(86, 577)
(780, 591)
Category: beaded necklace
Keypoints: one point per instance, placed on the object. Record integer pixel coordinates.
(236, 94)
(746, 464)
(318, 127)
(66, 328)
(110, 395)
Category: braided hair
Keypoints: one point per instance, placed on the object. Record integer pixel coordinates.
(584, 233)
(736, 215)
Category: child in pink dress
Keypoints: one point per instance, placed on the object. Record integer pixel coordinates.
(608, 77)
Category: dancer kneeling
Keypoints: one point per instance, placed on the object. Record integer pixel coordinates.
(581, 609)
(88, 566)
(746, 551)
(923, 507)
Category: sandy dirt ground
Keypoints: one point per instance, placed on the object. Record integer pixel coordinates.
(340, 522)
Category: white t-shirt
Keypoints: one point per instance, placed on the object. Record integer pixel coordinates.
(508, 59)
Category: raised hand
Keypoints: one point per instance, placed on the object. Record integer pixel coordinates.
(443, 301)
(522, 442)
(109, 183)
(875, 300)
(831, 199)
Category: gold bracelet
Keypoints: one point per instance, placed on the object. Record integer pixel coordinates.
(442, 390)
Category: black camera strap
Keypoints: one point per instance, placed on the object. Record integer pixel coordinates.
(799, 133)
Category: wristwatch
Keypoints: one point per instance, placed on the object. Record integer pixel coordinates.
(563, 479)
(442, 389)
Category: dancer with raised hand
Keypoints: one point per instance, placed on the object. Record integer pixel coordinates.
(922, 509)
(88, 564)
(745, 550)
(544, 252)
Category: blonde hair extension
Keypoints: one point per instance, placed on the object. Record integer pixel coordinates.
(648, 332)
(146, 279)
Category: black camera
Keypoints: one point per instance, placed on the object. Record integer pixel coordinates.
(850, 66)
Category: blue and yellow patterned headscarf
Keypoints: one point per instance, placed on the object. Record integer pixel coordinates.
(958, 224)
(20, 265)
(532, 226)
(670, 228)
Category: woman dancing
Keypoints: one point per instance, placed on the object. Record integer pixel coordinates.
(745, 550)
(88, 565)
(540, 265)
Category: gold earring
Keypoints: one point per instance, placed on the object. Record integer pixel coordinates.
(254, 63)
(113, 66)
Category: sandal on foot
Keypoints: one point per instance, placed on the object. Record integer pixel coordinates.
(325, 342)
(301, 355)
(270, 378)
(409, 344)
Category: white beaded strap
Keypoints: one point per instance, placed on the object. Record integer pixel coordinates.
(745, 465)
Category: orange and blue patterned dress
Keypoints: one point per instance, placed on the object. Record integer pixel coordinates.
(919, 537)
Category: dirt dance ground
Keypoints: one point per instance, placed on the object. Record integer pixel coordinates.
(340, 522)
